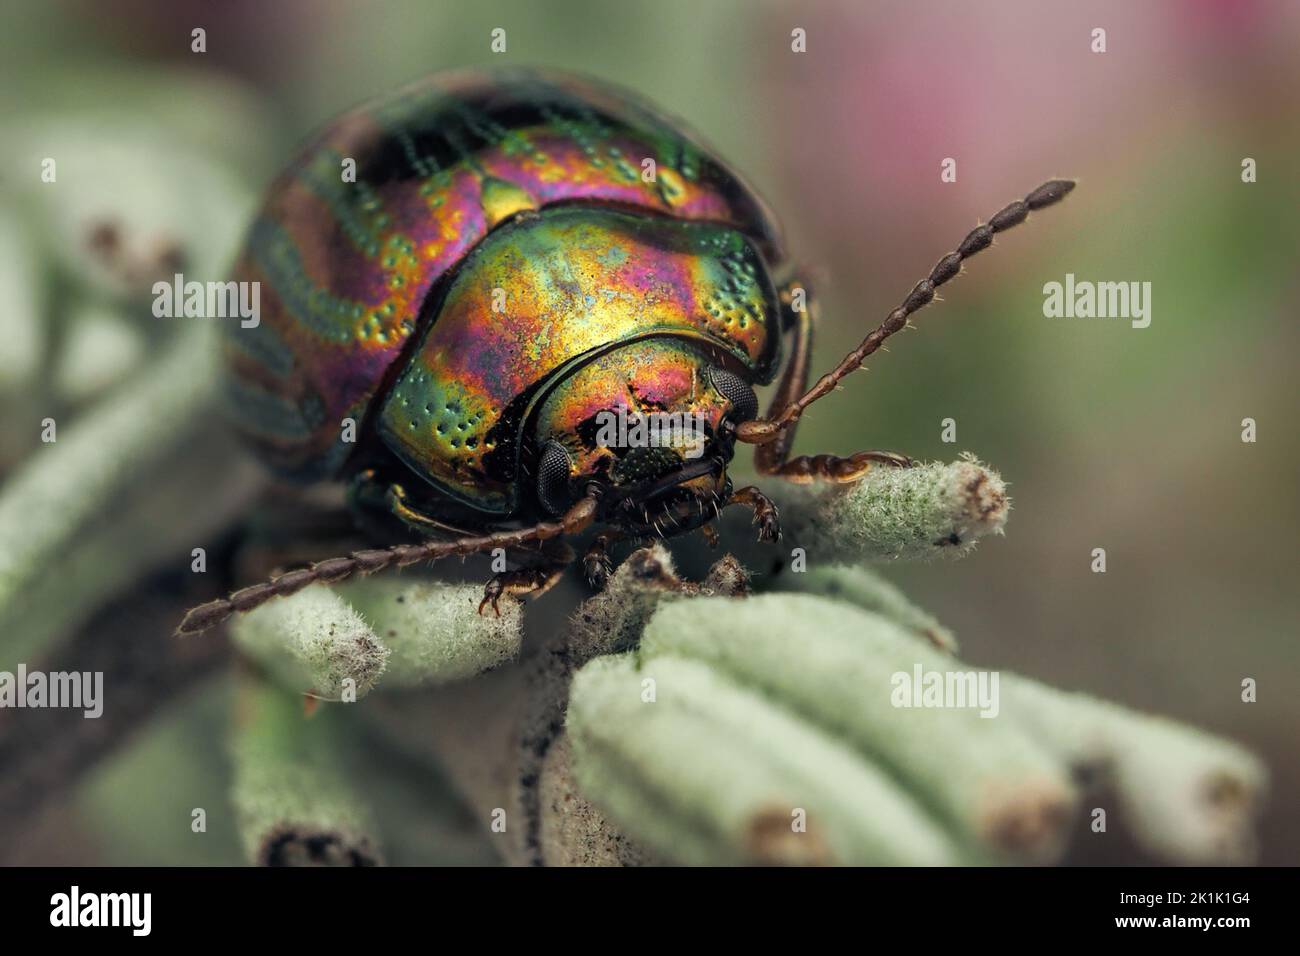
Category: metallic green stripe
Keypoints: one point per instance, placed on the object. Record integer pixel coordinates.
(267, 415)
(325, 315)
(263, 345)
(354, 205)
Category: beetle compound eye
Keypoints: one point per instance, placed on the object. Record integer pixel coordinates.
(737, 391)
(553, 478)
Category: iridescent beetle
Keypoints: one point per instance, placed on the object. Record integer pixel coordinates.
(469, 272)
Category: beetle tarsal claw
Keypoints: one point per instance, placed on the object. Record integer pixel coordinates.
(596, 563)
(766, 517)
(597, 573)
(769, 526)
(520, 584)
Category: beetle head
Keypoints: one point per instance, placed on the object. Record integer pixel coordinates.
(649, 425)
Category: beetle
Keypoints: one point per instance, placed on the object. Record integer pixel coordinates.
(514, 254)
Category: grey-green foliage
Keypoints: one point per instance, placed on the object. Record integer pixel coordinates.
(66, 542)
(710, 772)
(930, 510)
(734, 713)
(314, 642)
(832, 667)
(293, 798)
(324, 640)
(434, 631)
(120, 492)
(21, 327)
(164, 190)
(869, 591)
(1190, 797)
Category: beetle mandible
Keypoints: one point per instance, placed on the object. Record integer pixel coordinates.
(504, 267)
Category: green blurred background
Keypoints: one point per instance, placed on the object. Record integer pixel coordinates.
(1111, 437)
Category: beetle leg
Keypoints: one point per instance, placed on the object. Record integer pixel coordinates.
(399, 504)
(365, 490)
(809, 468)
(765, 513)
(764, 431)
(769, 457)
(525, 582)
(368, 491)
(529, 582)
(596, 563)
(772, 458)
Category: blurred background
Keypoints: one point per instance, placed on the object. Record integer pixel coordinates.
(1111, 437)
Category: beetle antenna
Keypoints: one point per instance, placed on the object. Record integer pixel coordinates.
(333, 570)
(763, 430)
